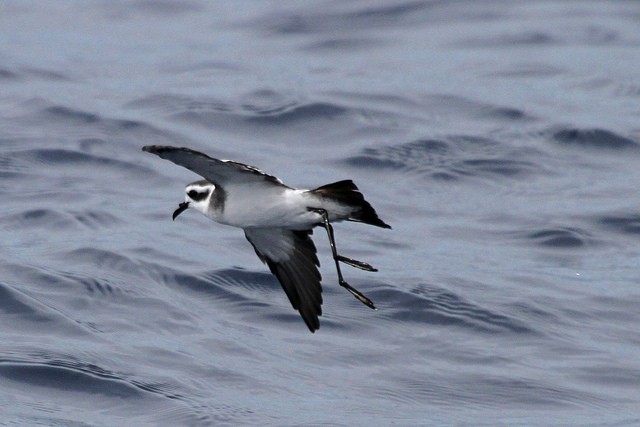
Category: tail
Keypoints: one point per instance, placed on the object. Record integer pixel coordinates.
(347, 193)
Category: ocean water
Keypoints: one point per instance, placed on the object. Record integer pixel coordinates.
(500, 139)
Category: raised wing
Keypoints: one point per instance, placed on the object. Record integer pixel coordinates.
(291, 257)
(219, 172)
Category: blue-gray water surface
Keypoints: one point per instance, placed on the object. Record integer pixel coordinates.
(500, 139)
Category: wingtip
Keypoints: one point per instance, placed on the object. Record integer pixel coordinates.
(378, 223)
(312, 323)
(155, 149)
(159, 150)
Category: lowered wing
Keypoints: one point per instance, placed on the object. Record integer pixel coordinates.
(291, 257)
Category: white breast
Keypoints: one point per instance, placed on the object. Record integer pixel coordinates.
(273, 206)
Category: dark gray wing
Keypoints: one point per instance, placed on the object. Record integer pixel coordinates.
(219, 172)
(291, 257)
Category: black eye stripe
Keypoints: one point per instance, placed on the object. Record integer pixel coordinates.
(196, 196)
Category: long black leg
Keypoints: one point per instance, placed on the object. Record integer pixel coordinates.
(337, 258)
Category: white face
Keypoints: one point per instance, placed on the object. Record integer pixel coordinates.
(198, 196)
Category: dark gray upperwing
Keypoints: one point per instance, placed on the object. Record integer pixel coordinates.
(219, 172)
(291, 257)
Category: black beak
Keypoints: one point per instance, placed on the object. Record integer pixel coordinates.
(181, 208)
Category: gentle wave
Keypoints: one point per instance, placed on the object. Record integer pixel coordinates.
(561, 238)
(628, 224)
(429, 305)
(594, 138)
(454, 159)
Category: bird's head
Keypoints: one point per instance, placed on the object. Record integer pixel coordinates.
(197, 196)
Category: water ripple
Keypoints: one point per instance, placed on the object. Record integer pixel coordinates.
(32, 73)
(68, 373)
(594, 138)
(261, 107)
(356, 18)
(102, 258)
(46, 218)
(628, 224)
(561, 238)
(453, 159)
(60, 157)
(476, 390)
(68, 378)
(434, 306)
(12, 303)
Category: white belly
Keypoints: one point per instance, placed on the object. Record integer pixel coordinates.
(276, 207)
